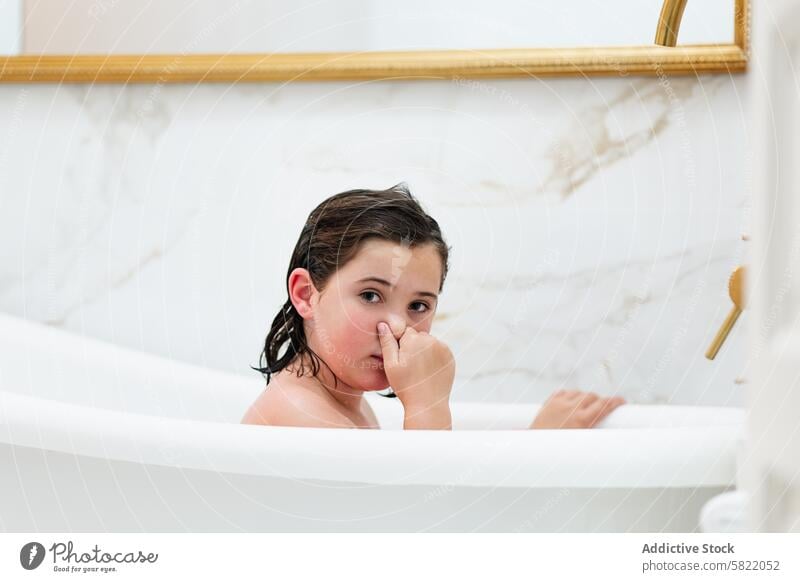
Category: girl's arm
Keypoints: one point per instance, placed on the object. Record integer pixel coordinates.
(437, 417)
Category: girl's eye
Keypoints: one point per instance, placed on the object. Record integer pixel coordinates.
(370, 293)
(426, 308)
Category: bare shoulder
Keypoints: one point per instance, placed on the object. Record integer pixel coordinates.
(288, 403)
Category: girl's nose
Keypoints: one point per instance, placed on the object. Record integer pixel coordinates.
(397, 325)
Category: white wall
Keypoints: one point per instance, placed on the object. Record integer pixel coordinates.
(218, 26)
(10, 27)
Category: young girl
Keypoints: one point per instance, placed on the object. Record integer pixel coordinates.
(363, 284)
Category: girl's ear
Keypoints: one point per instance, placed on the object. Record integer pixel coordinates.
(301, 291)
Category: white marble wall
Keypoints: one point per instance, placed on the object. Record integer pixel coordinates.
(594, 221)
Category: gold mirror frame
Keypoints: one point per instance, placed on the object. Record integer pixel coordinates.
(445, 64)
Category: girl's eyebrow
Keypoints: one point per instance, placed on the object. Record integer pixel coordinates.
(385, 282)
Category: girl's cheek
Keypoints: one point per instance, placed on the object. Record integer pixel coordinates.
(362, 323)
(359, 338)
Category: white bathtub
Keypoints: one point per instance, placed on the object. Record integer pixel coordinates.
(94, 437)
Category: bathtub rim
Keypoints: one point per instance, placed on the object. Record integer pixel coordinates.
(477, 458)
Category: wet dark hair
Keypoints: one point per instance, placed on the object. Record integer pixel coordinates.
(331, 237)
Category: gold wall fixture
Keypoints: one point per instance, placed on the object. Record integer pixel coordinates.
(669, 22)
(736, 288)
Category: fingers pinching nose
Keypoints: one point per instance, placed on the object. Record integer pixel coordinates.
(396, 324)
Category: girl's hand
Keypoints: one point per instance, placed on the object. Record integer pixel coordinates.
(420, 370)
(575, 409)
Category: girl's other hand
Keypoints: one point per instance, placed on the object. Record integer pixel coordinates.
(575, 409)
(420, 368)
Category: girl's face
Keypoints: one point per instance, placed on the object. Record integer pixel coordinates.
(385, 281)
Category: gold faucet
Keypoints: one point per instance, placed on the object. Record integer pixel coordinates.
(669, 22)
(736, 286)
